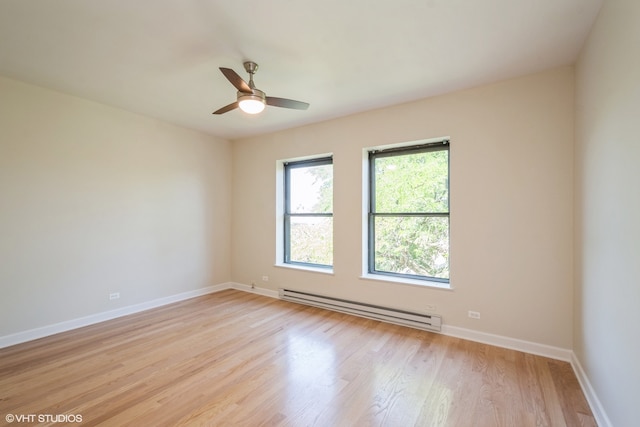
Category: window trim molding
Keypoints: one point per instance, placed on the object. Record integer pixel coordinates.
(282, 225)
(368, 202)
(423, 283)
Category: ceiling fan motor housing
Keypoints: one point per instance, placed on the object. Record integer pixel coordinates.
(257, 94)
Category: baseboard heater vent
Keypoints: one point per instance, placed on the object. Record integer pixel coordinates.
(429, 322)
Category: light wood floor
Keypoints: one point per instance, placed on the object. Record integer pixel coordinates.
(235, 358)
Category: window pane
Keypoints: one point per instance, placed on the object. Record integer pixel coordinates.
(412, 245)
(413, 182)
(311, 189)
(312, 240)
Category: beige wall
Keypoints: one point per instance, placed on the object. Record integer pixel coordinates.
(607, 302)
(95, 200)
(511, 203)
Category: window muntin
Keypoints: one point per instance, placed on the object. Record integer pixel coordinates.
(409, 212)
(308, 212)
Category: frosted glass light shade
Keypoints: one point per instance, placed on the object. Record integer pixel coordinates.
(251, 104)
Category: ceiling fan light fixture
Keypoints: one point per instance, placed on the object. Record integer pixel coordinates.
(251, 103)
(252, 100)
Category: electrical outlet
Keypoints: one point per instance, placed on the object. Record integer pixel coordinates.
(114, 295)
(430, 307)
(474, 314)
(265, 278)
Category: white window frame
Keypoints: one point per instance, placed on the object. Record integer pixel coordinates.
(281, 215)
(367, 272)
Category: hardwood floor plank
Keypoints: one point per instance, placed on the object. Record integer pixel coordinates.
(235, 358)
(531, 390)
(573, 404)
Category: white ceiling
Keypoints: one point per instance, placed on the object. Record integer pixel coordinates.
(160, 58)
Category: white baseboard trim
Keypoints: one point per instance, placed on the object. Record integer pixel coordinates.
(510, 343)
(454, 331)
(594, 403)
(34, 334)
(483, 337)
(557, 353)
(260, 291)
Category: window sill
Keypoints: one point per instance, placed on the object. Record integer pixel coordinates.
(405, 281)
(306, 268)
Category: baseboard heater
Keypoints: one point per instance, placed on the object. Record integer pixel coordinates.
(429, 322)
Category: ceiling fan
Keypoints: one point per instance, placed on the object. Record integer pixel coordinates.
(250, 99)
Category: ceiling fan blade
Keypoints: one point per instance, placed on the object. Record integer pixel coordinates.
(226, 108)
(286, 103)
(236, 80)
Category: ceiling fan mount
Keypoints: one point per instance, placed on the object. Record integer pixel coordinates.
(250, 67)
(251, 99)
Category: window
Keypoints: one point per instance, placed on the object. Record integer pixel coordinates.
(308, 212)
(409, 212)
